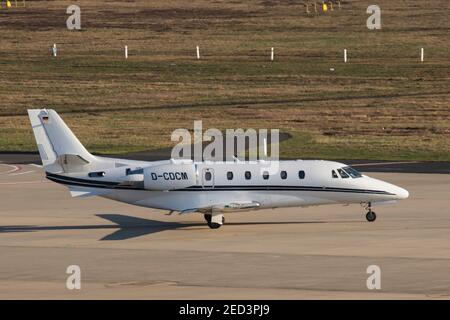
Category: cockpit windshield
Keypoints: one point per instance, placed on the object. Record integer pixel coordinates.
(342, 173)
(352, 172)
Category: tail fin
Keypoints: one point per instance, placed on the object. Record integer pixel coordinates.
(58, 147)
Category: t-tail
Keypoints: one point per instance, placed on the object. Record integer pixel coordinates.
(59, 148)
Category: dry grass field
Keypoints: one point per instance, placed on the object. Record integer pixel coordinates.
(383, 104)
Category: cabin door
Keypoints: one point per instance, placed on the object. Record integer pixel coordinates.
(208, 178)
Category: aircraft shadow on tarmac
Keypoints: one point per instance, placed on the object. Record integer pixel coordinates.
(132, 227)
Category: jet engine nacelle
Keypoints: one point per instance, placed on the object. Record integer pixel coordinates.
(169, 177)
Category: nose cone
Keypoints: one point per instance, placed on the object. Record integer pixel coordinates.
(392, 190)
(400, 193)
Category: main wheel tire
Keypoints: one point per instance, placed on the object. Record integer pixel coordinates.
(371, 216)
(214, 225)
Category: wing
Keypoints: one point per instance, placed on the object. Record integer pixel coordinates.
(225, 207)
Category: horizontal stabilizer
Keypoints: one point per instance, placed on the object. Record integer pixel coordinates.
(77, 192)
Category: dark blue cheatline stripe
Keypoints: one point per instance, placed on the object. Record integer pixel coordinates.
(57, 176)
(87, 183)
(116, 185)
(73, 183)
(284, 188)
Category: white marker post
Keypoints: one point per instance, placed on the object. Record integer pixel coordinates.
(271, 54)
(345, 55)
(421, 54)
(198, 53)
(54, 50)
(126, 52)
(265, 147)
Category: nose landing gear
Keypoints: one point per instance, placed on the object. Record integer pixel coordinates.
(370, 215)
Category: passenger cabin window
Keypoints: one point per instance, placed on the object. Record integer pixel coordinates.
(208, 176)
(334, 174)
(248, 175)
(301, 174)
(342, 173)
(266, 175)
(230, 175)
(283, 175)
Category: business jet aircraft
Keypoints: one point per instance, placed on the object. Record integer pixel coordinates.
(210, 188)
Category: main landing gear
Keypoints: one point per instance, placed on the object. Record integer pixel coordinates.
(214, 221)
(370, 215)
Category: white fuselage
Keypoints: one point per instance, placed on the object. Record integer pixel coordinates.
(187, 186)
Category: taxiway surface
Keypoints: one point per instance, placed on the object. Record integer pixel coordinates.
(131, 252)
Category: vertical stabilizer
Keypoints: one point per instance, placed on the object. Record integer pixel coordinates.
(59, 148)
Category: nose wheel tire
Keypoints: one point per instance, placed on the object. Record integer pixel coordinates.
(371, 216)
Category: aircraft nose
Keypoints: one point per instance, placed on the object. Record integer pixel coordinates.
(394, 191)
(401, 193)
